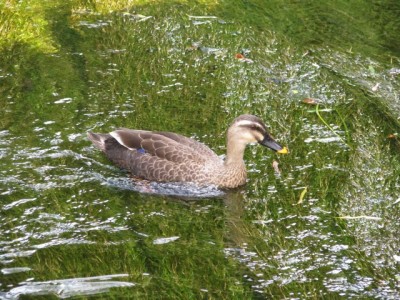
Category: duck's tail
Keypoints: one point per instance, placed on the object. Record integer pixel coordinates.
(99, 139)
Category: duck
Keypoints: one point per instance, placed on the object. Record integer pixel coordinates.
(170, 157)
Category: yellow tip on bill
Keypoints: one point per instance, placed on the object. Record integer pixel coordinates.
(284, 150)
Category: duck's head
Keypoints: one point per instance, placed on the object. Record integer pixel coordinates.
(247, 129)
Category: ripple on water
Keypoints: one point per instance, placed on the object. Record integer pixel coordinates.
(184, 190)
(18, 203)
(29, 225)
(166, 240)
(66, 288)
(7, 271)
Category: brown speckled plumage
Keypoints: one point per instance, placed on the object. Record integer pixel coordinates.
(170, 157)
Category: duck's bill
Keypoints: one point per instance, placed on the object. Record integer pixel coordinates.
(270, 143)
(284, 150)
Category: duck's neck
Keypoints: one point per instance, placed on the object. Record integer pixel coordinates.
(234, 153)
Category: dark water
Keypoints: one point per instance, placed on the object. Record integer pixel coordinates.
(325, 226)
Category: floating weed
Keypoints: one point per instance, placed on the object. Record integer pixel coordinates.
(317, 111)
(360, 217)
(302, 195)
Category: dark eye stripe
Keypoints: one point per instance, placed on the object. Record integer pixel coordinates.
(254, 127)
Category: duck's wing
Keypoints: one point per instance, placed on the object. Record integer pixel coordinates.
(197, 146)
(146, 155)
(164, 145)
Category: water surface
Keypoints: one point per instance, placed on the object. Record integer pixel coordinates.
(325, 225)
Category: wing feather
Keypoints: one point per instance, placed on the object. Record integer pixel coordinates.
(165, 145)
(199, 147)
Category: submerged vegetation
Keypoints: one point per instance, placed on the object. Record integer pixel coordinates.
(321, 222)
(25, 22)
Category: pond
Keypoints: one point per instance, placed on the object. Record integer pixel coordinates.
(324, 223)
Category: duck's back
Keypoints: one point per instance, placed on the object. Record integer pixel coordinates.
(158, 156)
